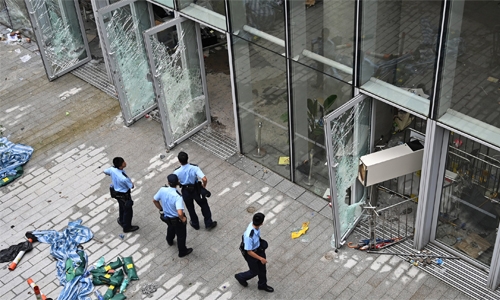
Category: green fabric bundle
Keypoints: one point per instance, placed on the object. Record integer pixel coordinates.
(96, 278)
(10, 178)
(71, 271)
(110, 292)
(119, 296)
(129, 268)
(113, 279)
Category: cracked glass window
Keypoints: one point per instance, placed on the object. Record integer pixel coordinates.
(350, 140)
(178, 78)
(61, 37)
(13, 13)
(124, 27)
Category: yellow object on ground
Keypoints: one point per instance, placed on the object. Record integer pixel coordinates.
(284, 160)
(302, 231)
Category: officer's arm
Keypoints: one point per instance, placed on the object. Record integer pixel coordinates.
(183, 218)
(256, 256)
(157, 204)
(204, 181)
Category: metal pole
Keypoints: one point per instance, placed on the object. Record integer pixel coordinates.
(260, 152)
(310, 181)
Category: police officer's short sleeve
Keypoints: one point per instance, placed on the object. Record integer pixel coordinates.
(157, 196)
(199, 173)
(248, 243)
(179, 204)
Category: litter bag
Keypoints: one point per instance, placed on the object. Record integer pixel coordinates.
(8, 255)
(119, 297)
(129, 268)
(110, 292)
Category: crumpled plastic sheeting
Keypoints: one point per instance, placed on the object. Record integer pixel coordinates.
(303, 230)
(63, 246)
(12, 156)
(8, 255)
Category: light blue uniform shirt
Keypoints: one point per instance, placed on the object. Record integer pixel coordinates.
(188, 174)
(251, 243)
(170, 201)
(120, 182)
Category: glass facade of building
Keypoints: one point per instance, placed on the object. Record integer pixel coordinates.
(429, 64)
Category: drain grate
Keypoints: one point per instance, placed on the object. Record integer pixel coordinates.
(215, 142)
(94, 73)
(457, 273)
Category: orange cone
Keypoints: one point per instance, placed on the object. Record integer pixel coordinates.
(39, 295)
(16, 260)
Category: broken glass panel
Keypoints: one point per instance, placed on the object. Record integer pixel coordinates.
(124, 27)
(60, 34)
(350, 140)
(178, 77)
(14, 14)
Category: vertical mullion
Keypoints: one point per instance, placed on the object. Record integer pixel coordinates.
(443, 30)
(288, 55)
(357, 48)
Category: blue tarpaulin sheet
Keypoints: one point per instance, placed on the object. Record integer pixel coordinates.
(12, 156)
(63, 245)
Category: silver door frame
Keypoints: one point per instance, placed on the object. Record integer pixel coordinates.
(127, 118)
(39, 37)
(170, 142)
(339, 238)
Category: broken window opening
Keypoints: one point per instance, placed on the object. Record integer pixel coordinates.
(127, 50)
(13, 14)
(350, 141)
(62, 41)
(178, 72)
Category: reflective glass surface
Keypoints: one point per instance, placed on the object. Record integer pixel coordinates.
(350, 140)
(60, 33)
(322, 36)
(167, 3)
(469, 207)
(15, 11)
(128, 56)
(178, 79)
(259, 21)
(262, 100)
(212, 12)
(311, 102)
(470, 93)
(399, 42)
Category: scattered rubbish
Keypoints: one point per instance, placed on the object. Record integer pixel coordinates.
(439, 261)
(21, 79)
(14, 253)
(129, 268)
(303, 230)
(25, 58)
(492, 79)
(251, 209)
(67, 113)
(305, 240)
(146, 116)
(121, 235)
(284, 160)
(149, 289)
(364, 244)
(124, 285)
(12, 226)
(162, 156)
(67, 241)
(17, 50)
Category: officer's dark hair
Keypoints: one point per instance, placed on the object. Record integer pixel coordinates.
(118, 162)
(183, 157)
(258, 219)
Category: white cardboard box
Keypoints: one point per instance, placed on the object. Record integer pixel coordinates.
(388, 164)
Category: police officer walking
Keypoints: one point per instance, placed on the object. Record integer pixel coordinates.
(188, 175)
(120, 190)
(255, 255)
(169, 202)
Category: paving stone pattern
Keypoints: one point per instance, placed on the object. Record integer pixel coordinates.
(64, 181)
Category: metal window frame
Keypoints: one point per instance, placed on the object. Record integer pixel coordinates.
(339, 237)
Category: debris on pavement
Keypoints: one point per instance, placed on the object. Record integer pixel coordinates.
(303, 230)
(12, 158)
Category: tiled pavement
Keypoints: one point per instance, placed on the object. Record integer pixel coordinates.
(63, 181)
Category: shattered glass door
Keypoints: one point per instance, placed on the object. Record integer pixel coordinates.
(348, 135)
(123, 24)
(60, 34)
(176, 61)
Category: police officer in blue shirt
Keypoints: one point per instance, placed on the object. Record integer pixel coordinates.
(192, 191)
(255, 255)
(120, 190)
(169, 202)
